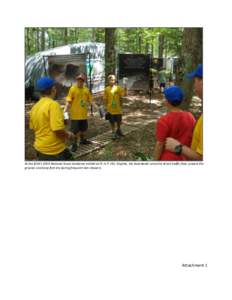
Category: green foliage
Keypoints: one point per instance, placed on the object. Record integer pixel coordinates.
(133, 40)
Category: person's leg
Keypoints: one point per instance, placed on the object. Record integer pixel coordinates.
(118, 131)
(82, 135)
(114, 136)
(112, 127)
(119, 122)
(83, 130)
(65, 155)
(75, 130)
(78, 137)
(112, 124)
(45, 157)
(162, 87)
(83, 140)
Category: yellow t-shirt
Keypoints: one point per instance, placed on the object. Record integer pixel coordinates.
(46, 117)
(79, 98)
(112, 96)
(197, 140)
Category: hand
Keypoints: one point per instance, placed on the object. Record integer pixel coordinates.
(71, 135)
(170, 144)
(66, 122)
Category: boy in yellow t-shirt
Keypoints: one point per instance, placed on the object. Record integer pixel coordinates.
(47, 121)
(77, 102)
(197, 141)
(113, 105)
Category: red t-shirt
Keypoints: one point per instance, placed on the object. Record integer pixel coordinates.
(178, 125)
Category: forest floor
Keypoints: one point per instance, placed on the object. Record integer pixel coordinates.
(139, 119)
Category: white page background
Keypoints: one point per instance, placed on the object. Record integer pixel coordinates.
(122, 232)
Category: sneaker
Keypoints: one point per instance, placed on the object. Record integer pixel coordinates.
(85, 142)
(119, 132)
(74, 147)
(114, 136)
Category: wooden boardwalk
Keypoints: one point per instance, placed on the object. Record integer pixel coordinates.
(102, 140)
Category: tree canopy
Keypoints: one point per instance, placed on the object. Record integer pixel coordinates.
(184, 43)
(134, 40)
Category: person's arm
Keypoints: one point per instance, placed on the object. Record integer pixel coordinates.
(191, 154)
(171, 143)
(66, 113)
(105, 101)
(91, 110)
(125, 91)
(67, 106)
(90, 100)
(64, 134)
(159, 147)
(69, 99)
(161, 134)
(57, 122)
(28, 121)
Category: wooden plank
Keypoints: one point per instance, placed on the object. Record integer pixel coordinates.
(100, 141)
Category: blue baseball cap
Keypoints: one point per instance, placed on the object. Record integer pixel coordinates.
(174, 94)
(197, 73)
(45, 83)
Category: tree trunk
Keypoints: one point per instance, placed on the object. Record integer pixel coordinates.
(152, 47)
(128, 41)
(139, 41)
(37, 39)
(110, 53)
(32, 38)
(165, 53)
(65, 36)
(146, 48)
(43, 38)
(49, 40)
(27, 38)
(76, 34)
(191, 56)
(161, 46)
(93, 34)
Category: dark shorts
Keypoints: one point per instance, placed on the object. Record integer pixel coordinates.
(79, 125)
(115, 118)
(162, 84)
(64, 155)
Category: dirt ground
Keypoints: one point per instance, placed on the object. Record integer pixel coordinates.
(128, 147)
(137, 109)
